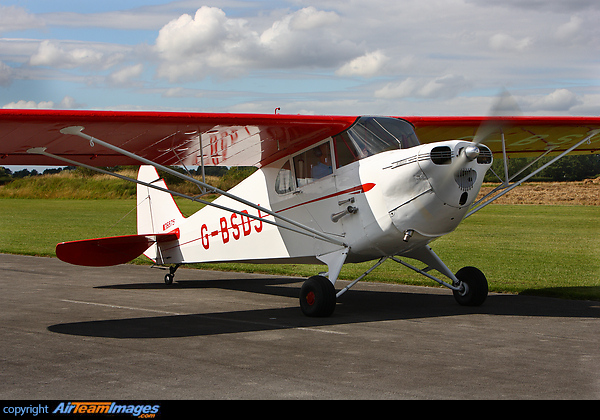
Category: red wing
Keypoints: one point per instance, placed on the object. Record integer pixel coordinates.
(108, 251)
(163, 137)
(245, 139)
(523, 135)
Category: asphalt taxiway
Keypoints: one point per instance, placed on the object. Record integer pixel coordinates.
(120, 333)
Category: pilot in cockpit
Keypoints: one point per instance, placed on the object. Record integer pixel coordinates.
(323, 167)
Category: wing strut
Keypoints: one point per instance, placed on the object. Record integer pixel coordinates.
(506, 187)
(303, 230)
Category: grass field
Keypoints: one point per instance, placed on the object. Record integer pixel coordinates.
(543, 250)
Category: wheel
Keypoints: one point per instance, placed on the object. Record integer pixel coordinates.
(317, 297)
(169, 278)
(476, 289)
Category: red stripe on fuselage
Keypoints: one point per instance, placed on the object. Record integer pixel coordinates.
(355, 190)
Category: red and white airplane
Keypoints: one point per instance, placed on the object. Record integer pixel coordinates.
(329, 189)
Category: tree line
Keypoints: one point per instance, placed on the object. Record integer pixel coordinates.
(567, 169)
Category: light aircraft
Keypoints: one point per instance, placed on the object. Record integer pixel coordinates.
(329, 189)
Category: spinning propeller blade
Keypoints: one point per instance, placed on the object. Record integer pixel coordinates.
(504, 105)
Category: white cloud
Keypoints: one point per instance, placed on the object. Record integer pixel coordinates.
(368, 65)
(146, 18)
(126, 75)
(177, 92)
(14, 18)
(189, 35)
(561, 100)
(22, 104)
(188, 46)
(447, 86)
(6, 74)
(66, 103)
(73, 55)
(310, 18)
(398, 90)
(210, 43)
(505, 42)
(569, 29)
(590, 105)
(539, 6)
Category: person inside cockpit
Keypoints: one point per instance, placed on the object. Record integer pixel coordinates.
(323, 166)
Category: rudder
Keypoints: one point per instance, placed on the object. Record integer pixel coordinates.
(157, 211)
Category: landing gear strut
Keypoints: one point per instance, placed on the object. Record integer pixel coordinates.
(469, 285)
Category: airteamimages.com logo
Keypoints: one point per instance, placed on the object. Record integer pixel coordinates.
(141, 411)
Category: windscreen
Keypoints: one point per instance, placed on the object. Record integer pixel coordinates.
(372, 135)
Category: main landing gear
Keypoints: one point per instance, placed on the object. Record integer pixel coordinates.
(469, 286)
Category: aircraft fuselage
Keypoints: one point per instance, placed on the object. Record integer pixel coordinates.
(387, 203)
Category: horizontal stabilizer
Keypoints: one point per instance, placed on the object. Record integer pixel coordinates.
(115, 250)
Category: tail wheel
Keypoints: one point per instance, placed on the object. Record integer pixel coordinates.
(317, 297)
(169, 278)
(476, 287)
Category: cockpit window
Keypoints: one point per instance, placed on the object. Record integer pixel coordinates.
(308, 166)
(284, 182)
(313, 164)
(372, 135)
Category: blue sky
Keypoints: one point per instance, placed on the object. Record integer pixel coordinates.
(408, 57)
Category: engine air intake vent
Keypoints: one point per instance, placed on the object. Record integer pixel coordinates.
(465, 178)
(441, 155)
(485, 155)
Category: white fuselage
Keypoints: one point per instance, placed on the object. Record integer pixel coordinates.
(399, 200)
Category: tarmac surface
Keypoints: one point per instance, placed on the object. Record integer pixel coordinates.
(75, 333)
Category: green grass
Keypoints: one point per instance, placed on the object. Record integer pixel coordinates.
(543, 250)
(549, 250)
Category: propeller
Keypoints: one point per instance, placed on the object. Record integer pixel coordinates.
(504, 105)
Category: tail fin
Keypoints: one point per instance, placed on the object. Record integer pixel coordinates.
(157, 212)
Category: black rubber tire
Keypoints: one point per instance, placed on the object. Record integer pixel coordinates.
(477, 287)
(317, 297)
(169, 279)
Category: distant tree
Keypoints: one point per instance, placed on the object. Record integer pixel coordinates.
(568, 168)
(212, 170)
(573, 168)
(52, 171)
(21, 174)
(5, 175)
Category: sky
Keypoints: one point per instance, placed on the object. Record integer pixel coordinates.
(351, 57)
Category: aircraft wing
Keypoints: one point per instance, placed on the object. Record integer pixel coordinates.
(171, 138)
(524, 136)
(166, 138)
